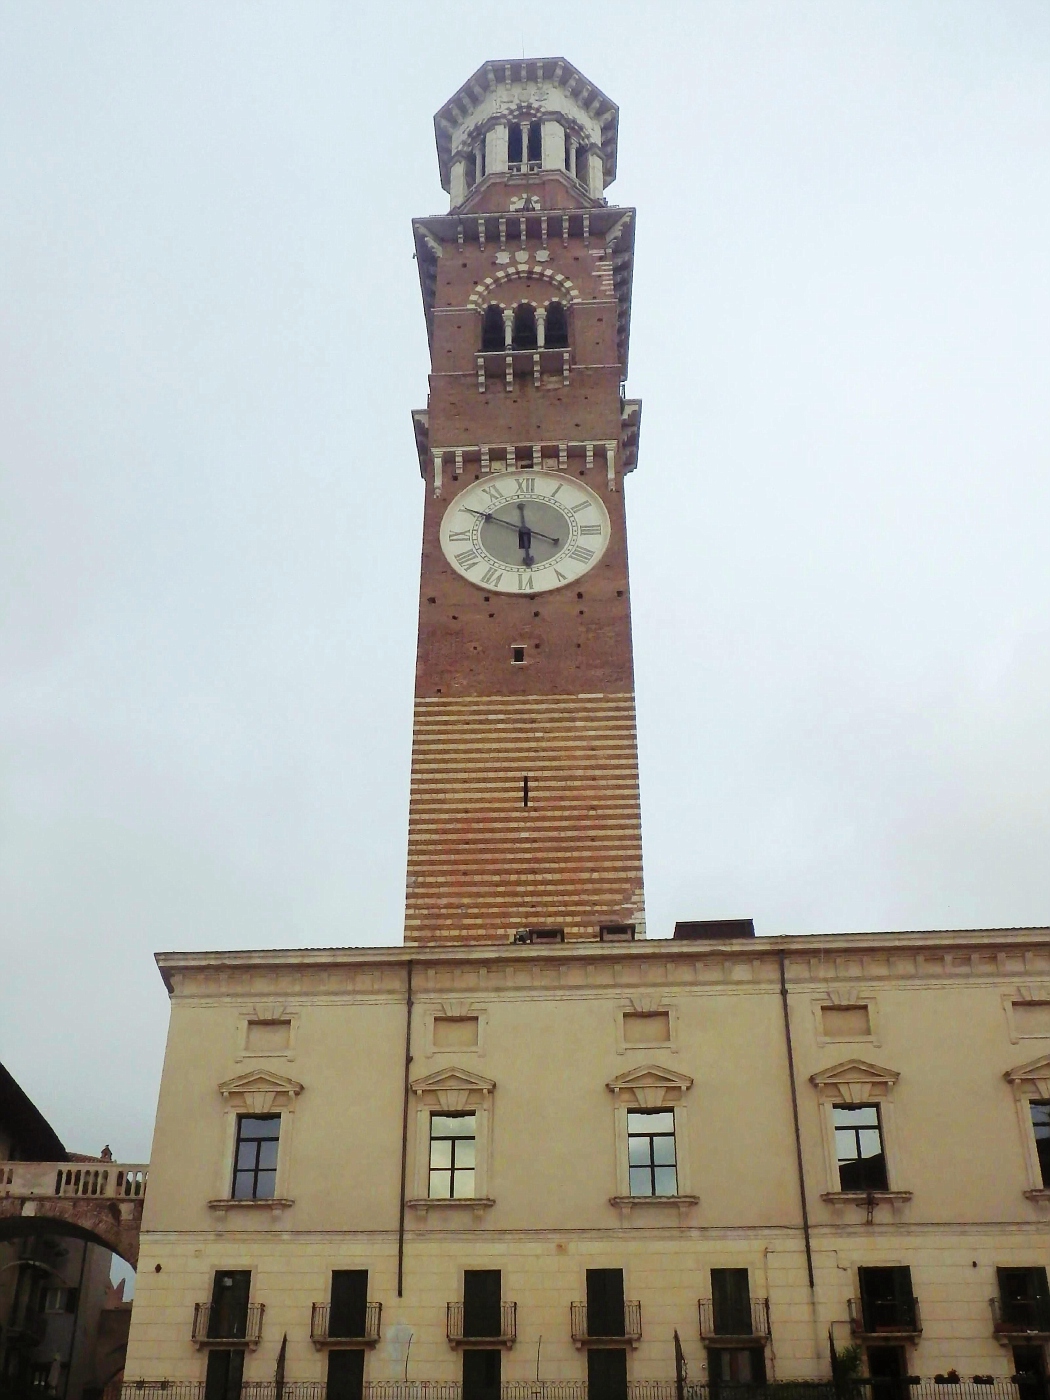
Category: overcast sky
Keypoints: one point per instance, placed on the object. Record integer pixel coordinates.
(211, 339)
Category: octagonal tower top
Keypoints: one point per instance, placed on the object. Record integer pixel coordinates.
(521, 118)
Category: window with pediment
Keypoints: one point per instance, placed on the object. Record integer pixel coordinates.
(452, 1141)
(651, 1135)
(1031, 1088)
(256, 1160)
(862, 1159)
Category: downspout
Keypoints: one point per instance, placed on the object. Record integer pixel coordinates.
(76, 1320)
(794, 1113)
(404, 1135)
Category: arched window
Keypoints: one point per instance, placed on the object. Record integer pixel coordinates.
(492, 333)
(557, 334)
(535, 151)
(514, 155)
(524, 327)
(581, 163)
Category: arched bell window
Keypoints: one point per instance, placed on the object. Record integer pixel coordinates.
(492, 333)
(524, 327)
(557, 336)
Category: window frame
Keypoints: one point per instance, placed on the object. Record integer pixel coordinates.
(256, 1170)
(453, 1139)
(258, 1093)
(651, 1166)
(855, 1130)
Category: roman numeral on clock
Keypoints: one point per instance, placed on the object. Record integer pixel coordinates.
(582, 505)
(467, 559)
(525, 585)
(526, 486)
(590, 529)
(458, 535)
(493, 493)
(582, 553)
(492, 577)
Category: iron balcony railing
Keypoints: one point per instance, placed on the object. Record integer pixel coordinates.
(322, 1329)
(885, 1317)
(606, 1331)
(465, 1326)
(211, 1326)
(1028, 1315)
(861, 1388)
(718, 1323)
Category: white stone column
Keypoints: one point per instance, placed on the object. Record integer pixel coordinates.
(595, 172)
(496, 149)
(541, 327)
(553, 145)
(457, 185)
(573, 147)
(508, 328)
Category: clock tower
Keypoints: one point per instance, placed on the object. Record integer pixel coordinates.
(524, 818)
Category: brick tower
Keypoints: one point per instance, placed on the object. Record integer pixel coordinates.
(524, 817)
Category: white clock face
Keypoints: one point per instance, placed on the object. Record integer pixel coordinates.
(525, 532)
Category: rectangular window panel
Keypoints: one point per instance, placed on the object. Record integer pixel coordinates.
(1040, 1111)
(255, 1158)
(267, 1037)
(646, 1027)
(452, 1156)
(845, 1022)
(859, 1148)
(346, 1373)
(651, 1158)
(455, 1032)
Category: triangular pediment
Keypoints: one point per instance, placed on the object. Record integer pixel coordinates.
(453, 1089)
(650, 1086)
(1035, 1072)
(855, 1081)
(453, 1078)
(260, 1091)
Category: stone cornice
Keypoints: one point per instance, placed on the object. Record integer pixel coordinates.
(743, 964)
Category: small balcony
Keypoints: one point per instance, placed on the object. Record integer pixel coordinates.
(1020, 1317)
(482, 1326)
(606, 1331)
(734, 1326)
(28, 1332)
(339, 1331)
(885, 1318)
(213, 1327)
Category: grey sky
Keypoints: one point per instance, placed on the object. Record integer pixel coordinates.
(211, 338)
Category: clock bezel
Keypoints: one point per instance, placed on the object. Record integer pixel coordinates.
(496, 573)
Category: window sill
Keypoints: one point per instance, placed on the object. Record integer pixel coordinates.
(274, 1204)
(477, 1205)
(626, 1204)
(1040, 1195)
(867, 1200)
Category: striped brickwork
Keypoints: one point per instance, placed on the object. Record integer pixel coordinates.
(481, 864)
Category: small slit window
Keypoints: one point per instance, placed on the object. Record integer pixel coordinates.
(517, 656)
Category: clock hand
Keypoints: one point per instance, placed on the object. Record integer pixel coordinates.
(510, 525)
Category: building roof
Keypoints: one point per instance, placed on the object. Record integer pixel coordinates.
(32, 1137)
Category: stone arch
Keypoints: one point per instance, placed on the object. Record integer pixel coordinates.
(489, 290)
(114, 1225)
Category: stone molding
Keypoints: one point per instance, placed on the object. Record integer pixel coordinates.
(452, 1090)
(651, 1087)
(856, 1082)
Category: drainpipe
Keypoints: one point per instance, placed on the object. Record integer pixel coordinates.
(404, 1136)
(76, 1320)
(794, 1112)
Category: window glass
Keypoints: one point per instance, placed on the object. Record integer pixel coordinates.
(255, 1160)
(652, 1163)
(1041, 1127)
(858, 1148)
(452, 1156)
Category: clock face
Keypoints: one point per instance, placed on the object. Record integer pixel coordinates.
(525, 532)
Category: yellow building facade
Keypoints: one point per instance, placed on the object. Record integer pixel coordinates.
(553, 1052)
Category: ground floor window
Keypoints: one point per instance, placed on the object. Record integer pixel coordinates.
(346, 1375)
(1030, 1371)
(888, 1369)
(481, 1375)
(225, 1370)
(739, 1365)
(607, 1373)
